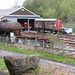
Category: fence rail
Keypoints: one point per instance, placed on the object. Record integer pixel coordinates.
(71, 25)
(36, 43)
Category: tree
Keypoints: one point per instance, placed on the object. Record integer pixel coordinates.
(61, 9)
(16, 5)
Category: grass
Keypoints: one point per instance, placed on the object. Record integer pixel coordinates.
(44, 55)
(2, 64)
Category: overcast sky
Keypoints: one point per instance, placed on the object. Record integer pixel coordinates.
(6, 4)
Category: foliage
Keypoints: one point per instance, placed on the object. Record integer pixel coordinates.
(36, 70)
(53, 39)
(51, 8)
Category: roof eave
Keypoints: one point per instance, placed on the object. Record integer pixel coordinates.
(22, 16)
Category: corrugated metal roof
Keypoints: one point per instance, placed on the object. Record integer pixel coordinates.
(4, 12)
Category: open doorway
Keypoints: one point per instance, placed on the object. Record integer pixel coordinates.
(24, 23)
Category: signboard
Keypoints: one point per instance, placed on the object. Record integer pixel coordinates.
(11, 34)
(12, 37)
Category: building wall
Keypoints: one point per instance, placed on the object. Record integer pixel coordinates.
(22, 12)
(11, 19)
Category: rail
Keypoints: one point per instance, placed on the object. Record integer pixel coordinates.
(69, 39)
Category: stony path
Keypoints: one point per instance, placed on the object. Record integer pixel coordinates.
(70, 67)
(4, 72)
(42, 61)
(9, 53)
(1, 73)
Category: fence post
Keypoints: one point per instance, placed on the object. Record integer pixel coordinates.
(25, 40)
(7, 40)
(43, 43)
(35, 42)
(62, 46)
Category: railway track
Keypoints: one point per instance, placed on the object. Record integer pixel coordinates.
(68, 39)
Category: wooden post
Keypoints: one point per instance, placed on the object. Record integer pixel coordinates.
(43, 43)
(35, 42)
(25, 40)
(7, 40)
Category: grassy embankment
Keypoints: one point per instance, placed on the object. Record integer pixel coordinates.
(44, 55)
(2, 64)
